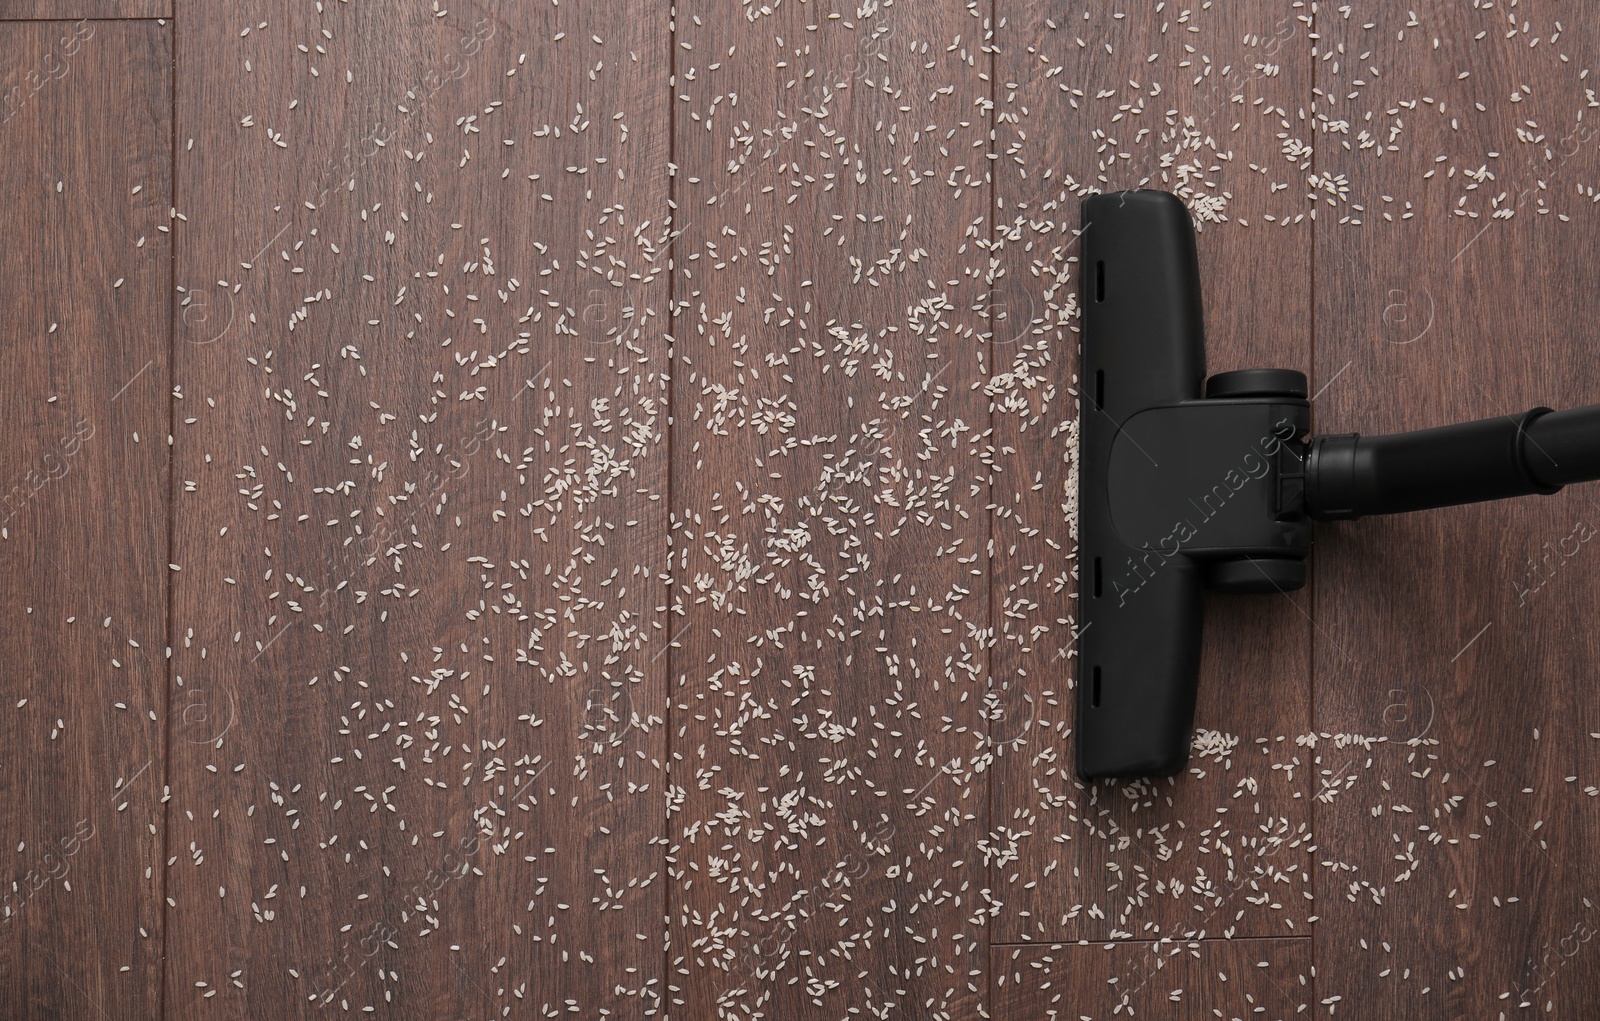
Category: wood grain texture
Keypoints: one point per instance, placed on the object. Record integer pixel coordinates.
(1243, 978)
(614, 552)
(1455, 269)
(59, 10)
(421, 548)
(830, 469)
(84, 282)
(1202, 105)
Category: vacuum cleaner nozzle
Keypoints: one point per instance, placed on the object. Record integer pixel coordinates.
(1189, 484)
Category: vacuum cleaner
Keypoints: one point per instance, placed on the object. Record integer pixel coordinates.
(1188, 484)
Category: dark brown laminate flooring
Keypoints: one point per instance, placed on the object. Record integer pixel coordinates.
(534, 510)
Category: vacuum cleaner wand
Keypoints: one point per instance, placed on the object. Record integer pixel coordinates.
(1536, 452)
(1184, 489)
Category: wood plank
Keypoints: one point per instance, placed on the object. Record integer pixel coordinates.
(829, 512)
(1454, 256)
(85, 282)
(62, 10)
(1243, 978)
(437, 447)
(1201, 104)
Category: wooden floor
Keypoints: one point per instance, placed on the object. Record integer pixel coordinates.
(528, 510)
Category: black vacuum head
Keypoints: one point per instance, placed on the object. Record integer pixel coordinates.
(1187, 484)
(1175, 488)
